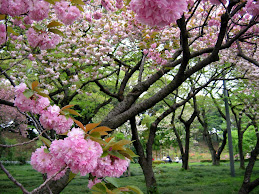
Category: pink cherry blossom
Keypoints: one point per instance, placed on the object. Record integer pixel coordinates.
(158, 12)
(218, 2)
(39, 11)
(44, 40)
(44, 162)
(78, 153)
(14, 7)
(97, 15)
(252, 7)
(66, 12)
(110, 166)
(52, 119)
(2, 34)
(35, 104)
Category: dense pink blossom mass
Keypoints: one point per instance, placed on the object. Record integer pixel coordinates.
(252, 7)
(110, 166)
(66, 13)
(34, 104)
(2, 34)
(43, 40)
(158, 12)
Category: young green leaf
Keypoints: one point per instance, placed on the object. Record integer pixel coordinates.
(71, 176)
(56, 31)
(54, 24)
(45, 140)
(28, 93)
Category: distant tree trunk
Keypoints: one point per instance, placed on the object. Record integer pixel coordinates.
(187, 125)
(215, 155)
(247, 185)
(185, 155)
(240, 149)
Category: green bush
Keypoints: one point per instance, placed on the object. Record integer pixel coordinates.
(158, 162)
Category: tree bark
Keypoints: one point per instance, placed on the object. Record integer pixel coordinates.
(247, 185)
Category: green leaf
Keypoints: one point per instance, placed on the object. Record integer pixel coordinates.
(28, 93)
(73, 112)
(38, 27)
(45, 140)
(54, 24)
(79, 2)
(71, 176)
(95, 134)
(105, 153)
(56, 31)
(99, 187)
(117, 154)
(80, 8)
(135, 189)
(112, 181)
(50, 1)
(46, 151)
(2, 17)
(10, 30)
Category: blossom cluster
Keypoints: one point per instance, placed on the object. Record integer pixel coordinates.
(66, 13)
(158, 12)
(39, 9)
(43, 40)
(2, 34)
(50, 117)
(34, 104)
(80, 155)
(252, 7)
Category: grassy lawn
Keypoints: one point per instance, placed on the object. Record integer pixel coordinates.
(202, 178)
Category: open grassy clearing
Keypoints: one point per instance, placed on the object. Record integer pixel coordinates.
(201, 178)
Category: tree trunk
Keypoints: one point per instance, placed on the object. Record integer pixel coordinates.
(185, 157)
(240, 150)
(247, 185)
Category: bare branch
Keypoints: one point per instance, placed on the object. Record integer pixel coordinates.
(13, 179)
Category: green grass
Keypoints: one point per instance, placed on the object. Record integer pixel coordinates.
(202, 178)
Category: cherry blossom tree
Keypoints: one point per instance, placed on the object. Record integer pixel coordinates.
(68, 46)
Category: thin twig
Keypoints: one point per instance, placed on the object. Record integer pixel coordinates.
(47, 180)
(24, 143)
(13, 179)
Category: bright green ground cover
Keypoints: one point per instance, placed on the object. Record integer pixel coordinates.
(202, 178)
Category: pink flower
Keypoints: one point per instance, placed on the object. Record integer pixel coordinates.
(218, 2)
(79, 154)
(2, 34)
(14, 7)
(66, 13)
(51, 119)
(44, 162)
(252, 7)
(76, 133)
(158, 12)
(110, 166)
(97, 15)
(119, 4)
(44, 40)
(39, 11)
